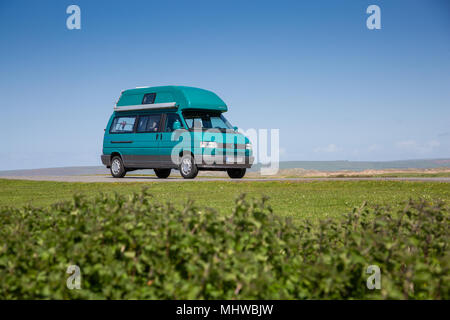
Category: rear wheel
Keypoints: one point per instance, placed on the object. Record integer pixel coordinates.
(236, 173)
(188, 168)
(117, 168)
(162, 173)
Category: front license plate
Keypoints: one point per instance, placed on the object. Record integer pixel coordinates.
(234, 159)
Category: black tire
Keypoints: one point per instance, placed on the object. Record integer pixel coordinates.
(188, 171)
(237, 173)
(117, 168)
(162, 173)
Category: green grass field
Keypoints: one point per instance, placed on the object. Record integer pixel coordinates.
(314, 200)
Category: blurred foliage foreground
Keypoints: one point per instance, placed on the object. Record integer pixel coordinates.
(131, 247)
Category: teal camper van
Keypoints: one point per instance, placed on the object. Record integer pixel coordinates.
(173, 127)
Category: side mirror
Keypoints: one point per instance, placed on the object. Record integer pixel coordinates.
(235, 128)
(176, 125)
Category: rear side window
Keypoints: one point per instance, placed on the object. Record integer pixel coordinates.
(171, 118)
(123, 125)
(149, 98)
(149, 123)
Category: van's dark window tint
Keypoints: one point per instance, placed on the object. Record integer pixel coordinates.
(207, 120)
(171, 118)
(123, 125)
(149, 98)
(149, 123)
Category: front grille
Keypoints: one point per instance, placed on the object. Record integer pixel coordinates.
(230, 146)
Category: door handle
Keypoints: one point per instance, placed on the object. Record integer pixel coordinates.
(157, 136)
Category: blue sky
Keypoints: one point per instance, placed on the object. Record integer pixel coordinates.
(335, 89)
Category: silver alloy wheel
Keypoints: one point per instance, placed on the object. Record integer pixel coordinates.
(186, 166)
(115, 166)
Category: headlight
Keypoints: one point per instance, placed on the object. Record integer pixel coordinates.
(248, 146)
(208, 144)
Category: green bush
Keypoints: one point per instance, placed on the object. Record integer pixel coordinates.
(132, 247)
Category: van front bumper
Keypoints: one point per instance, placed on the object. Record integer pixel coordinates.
(223, 162)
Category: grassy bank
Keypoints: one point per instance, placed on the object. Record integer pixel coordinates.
(131, 247)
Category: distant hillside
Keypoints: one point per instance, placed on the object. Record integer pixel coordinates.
(363, 165)
(307, 165)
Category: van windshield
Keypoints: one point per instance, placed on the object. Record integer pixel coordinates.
(206, 120)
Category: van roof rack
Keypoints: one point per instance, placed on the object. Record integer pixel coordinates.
(146, 106)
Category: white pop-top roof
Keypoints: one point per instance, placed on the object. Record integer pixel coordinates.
(146, 106)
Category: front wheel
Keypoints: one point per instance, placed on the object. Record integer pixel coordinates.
(162, 173)
(236, 173)
(188, 168)
(117, 168)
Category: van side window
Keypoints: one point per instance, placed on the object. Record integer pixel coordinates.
(123, 125)
(149, 123)
(149, 98)
(171, 118)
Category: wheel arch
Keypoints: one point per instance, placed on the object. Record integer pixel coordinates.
(185, 152)
(114, 154)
